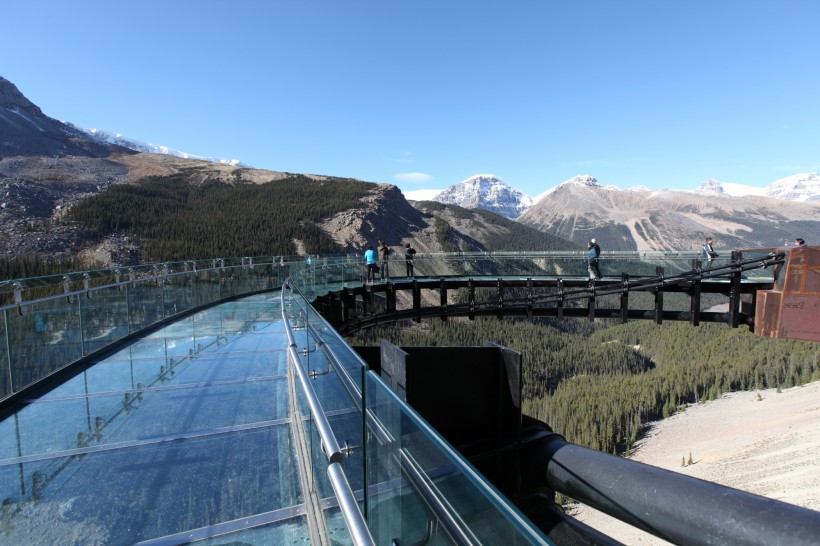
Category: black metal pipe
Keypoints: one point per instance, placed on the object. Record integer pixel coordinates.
(675, 507)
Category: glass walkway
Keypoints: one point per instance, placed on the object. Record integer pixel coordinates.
(249, 422)
(198, 402)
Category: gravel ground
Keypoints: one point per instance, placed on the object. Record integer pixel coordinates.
(763, 442)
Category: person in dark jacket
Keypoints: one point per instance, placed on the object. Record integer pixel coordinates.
(409, 254)
(709, 253)
(384, 253)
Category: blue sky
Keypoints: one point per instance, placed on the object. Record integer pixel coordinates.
(424, 94)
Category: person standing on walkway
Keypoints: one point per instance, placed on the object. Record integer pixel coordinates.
(409, 254)
(593, 254)
(370, 263)
(709, 253)
(384, 253)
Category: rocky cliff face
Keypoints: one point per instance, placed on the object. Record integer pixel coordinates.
(384, 215)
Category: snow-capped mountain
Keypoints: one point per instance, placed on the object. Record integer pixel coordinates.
(486, 191)
(799, 187)
(581, 179)
(642, 219)
(710, 186)
(138, 146)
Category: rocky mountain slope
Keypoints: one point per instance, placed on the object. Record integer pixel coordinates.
(645, 219)
(26, 131)
(47, 167)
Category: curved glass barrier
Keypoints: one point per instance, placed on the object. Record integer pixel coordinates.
(177, 420)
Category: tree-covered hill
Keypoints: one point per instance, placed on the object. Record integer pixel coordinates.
(179, 220)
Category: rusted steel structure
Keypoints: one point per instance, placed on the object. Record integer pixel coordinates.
(791, 308)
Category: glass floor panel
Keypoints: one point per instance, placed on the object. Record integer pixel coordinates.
(183, 433)
(123, 496)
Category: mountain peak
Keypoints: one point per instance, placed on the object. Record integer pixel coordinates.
(584, 180)
(12, 99)
(486, 191)
(710, 186)
(798, 187)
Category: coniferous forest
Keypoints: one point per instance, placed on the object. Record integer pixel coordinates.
(179, 220)
(598, 384)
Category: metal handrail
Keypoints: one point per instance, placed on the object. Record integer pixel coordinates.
(451, 523)
(341, 487)
(350, 385)
(678, 508)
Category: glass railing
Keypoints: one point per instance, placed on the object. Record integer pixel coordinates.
(414, 487)
(368, 452)
(53, 321)
(49, 322)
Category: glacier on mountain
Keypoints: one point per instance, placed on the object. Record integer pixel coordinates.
(803, 187)
(138, 146)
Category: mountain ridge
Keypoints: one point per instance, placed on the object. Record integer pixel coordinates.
(47, 166)
(657, 220)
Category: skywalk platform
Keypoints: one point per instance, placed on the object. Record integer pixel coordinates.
(211, 403)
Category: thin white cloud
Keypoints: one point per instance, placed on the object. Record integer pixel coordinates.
(404, 157)
(412, 177)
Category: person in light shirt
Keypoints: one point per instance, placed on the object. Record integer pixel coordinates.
(370, 263)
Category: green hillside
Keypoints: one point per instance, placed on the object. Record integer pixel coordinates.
(179, 220)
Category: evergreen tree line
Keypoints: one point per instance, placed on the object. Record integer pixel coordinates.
(598, 385)
(180, 221)
(26, 267)
(23, 267)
